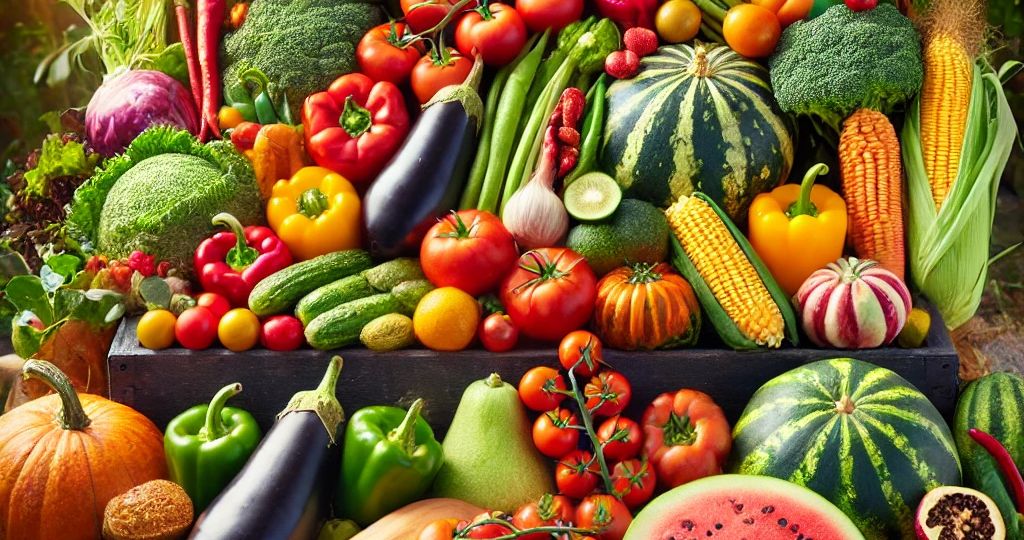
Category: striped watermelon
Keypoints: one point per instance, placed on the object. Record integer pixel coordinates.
(995, 405)
(858, 434)
(697, 119)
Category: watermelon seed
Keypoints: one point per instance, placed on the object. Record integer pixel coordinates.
(687, 524)
(749, 521)
(768, 509)
(795, 528)
(718, 526)
(738, 508)
(783, 522)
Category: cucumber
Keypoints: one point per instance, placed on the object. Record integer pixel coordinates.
(281, 290)
(342, 325)
(379, 279)
(388, 275)
(333, 295)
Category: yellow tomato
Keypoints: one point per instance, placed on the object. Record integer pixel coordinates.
(239, 329)
(677, 21)
(446, 319)
(229, 117)
(156, 329)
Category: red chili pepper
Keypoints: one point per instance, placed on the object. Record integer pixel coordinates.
(355, 126)
(232, 263)
(209, 16)
(243, 136)
(1010, 471)
(572, 102)
(194, 82)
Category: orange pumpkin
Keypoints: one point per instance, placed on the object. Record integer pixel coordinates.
(646, 306)
(64, 456)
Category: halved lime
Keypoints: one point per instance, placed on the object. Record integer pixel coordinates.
(592, 197)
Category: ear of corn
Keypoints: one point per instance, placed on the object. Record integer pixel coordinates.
(745, 305)
(945, 96)
(949, 245)
(869, 159)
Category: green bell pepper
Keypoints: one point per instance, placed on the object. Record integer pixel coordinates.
(390, 459)
(207, 445)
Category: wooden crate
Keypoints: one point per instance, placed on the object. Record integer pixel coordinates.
(161, 384)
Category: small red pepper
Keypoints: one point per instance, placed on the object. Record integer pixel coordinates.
(1005, 462)
(355, 126)
(231, 263)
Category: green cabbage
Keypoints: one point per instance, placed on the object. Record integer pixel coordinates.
(160, 195)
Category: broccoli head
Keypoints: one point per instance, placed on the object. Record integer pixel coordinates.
(301, 45)
(842, 60)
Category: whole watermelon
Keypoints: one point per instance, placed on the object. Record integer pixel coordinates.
(697, 119)
(995, 405)
(858, 434)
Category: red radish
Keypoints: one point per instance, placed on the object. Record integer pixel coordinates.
(629, 13)
(210, 16)
(853, 304)
(641, 41)
(622, 64)
(181, 14)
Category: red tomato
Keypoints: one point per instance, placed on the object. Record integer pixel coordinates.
(431, 74)
(217, 304)
(497, 333)
(577, 474)
(554, 14)
(861, 5)
(441, 529)
(581, 345)
(633, 480)
(496, 31)
(282, 333)
(490, 530)
(469, 250)
(686, 437)
(550, 293)
(751, 30)
(425, 14)
(548, 511)
(608, 393)
(196, 327)
(384, 56)
(605, 513)
(627, 438)
(540, 388)
(555, 433)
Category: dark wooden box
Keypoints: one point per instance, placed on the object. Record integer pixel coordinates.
(161, 384)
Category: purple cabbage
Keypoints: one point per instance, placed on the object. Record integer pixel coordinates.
(129, 102)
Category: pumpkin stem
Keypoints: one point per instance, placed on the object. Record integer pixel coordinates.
(643, 274)
(71, 414)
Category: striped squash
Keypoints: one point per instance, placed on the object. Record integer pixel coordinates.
(853, 304)
(697, 119)
(995, 405)
(858, 434)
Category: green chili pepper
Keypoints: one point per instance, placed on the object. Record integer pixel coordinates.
(265, 112)
(593, 125)
(390, 459)
(207, 445)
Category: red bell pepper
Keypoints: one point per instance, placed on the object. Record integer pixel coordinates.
(355, 126)
(232, 262)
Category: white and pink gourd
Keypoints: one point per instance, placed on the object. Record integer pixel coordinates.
(853, 304)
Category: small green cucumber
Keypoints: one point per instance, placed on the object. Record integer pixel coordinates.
(280, 291)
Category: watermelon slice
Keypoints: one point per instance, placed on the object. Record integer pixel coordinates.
(736, 507)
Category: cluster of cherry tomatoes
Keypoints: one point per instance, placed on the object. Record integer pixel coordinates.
(212, 319)
(398, 51)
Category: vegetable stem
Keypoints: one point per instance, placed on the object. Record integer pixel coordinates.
(405, 434)
(71, 415)
(213, 427)
(588, 424)
(803, 206)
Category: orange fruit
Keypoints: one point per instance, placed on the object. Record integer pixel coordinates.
(446, 319)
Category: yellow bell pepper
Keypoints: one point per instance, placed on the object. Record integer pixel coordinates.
(797, 229)
(316, 211)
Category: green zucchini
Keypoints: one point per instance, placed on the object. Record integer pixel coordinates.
(281, 290)
(342, 325)
(380, 278)
(332, 295)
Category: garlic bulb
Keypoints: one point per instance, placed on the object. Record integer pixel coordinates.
(535, 215)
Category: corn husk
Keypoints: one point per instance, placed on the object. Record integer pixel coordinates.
(949, 248)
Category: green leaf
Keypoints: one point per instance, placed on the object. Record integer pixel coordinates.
(172, 62)
(155, 292)
(64, 264)
(95, 306)
(56, 160)
(51, 280)
(12, 264)
(27, 294)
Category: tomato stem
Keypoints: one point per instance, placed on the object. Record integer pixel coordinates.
(516, 532)
(588, 424)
